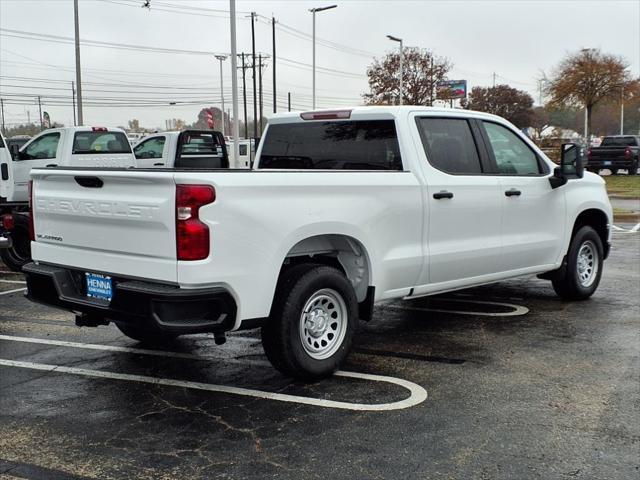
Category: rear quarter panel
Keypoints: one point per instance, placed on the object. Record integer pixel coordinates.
(259, 216)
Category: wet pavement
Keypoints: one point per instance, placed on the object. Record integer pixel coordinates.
(519, 384)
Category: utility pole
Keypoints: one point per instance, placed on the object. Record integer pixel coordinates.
(314, 11)
(244, 93)
(260, 88)
(253, 67)
(40, 110)
(222, 58)
(2, 110)
(288, 101)
(78, 75)
(494, 79)
(273, 41)
(73, 100)
(234, 80)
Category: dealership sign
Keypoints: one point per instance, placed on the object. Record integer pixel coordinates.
(451, 89)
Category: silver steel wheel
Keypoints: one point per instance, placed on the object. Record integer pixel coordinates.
(587, 264)
(323, 324)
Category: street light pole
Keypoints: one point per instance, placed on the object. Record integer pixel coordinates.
(622, 111)
(313, 11)
(222, 58)
(399, 40)
(78, 76)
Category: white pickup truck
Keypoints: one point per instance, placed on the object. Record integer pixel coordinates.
(342, 209)
(67, 146)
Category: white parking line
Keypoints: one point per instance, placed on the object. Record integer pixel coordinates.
(12, 281)
(634, 229)
(517, 309)
(13, 291)
(417, 393)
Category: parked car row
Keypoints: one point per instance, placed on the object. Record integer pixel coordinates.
(91, 147)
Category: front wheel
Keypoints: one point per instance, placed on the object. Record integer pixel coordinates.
(584, 266)
(313, 322)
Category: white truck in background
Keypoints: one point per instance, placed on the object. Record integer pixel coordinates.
(341, 210)
(55, 147)
(183, 149)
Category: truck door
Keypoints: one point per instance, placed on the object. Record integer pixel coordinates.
(533, 213)
(6, 177)
(151, 152)
(462, 205)
(40, 152)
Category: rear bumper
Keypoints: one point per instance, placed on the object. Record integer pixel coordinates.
(169, 308)
(610, 163)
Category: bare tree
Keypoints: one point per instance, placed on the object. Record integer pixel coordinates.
(421, 72)
(513, 104)
(586, 78)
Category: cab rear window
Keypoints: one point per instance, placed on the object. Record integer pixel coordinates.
(344, 145)
(100, 142)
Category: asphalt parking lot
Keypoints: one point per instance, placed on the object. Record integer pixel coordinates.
(500, 382)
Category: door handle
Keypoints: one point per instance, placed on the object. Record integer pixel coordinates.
(52, 165)
(442, 194)
(158, 164)
(513, 193)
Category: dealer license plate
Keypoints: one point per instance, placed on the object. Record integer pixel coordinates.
(99, 286)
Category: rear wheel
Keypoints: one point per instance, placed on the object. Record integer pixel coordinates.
(146, 334)
(614, 171)
(633, 170)
(313, 322)
(19, 254)
(584, 266)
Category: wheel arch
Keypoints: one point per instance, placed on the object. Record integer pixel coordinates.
(598, 220)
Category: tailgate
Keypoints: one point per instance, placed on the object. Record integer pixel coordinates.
(120, 222)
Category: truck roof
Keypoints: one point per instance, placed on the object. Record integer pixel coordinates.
(381, 111)
(82, 129)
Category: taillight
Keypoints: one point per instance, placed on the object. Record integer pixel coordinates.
(8, 222)
(627, 153)
(589, 154)
(32, 231)
(192, 235)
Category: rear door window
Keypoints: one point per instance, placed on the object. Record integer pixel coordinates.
(345, 145)
(449, 145)
(100, 142)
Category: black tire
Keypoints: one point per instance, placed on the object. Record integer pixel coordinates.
(614, 171)
(283, 336)
(572, 284)
(19, 254)
(633, 170)
(150, 335)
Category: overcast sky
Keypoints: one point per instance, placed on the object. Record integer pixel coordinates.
(515, 39)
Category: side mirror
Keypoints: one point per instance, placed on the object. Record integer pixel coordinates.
(571, 165)
(571, 160)
(14, 150)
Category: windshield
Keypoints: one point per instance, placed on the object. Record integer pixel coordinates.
(100, 142)
(619, 142)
